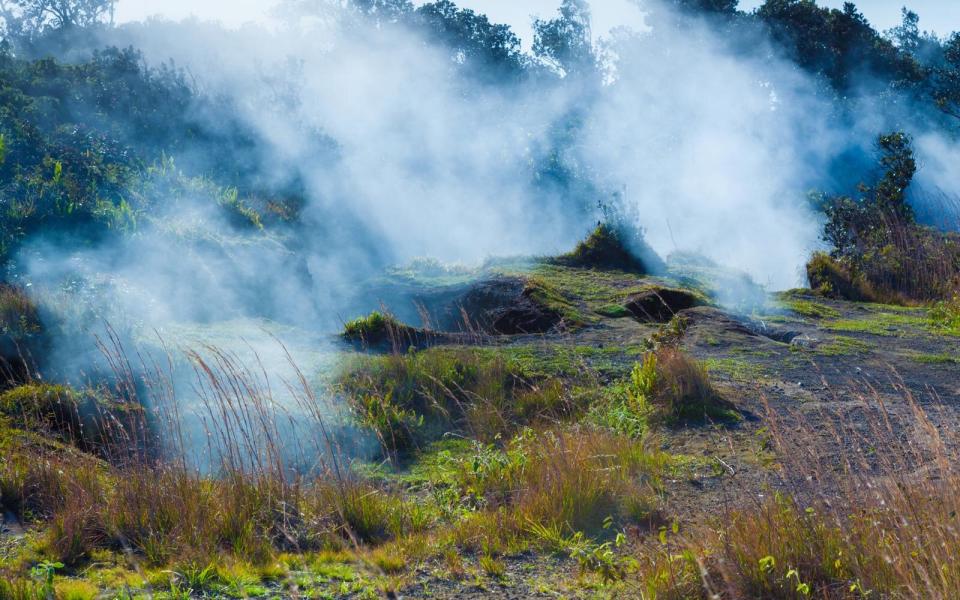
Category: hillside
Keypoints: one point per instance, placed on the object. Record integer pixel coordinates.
(374, 299)
(634, 422)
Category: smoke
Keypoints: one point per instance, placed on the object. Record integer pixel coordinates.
(715, 150)
(402, 154)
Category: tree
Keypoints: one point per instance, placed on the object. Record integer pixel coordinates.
(946, 78)
(382, 11)
(839, 44)
(853, 225)
(907, 35)
(896, 157)
(566, 43)
(28, 17)
(486, 50)
(706, 6)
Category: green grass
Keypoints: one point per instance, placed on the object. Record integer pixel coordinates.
(810, 309)
(601, 292)
(736, 368)
(946, 315)
(844, 346)
(557, 299)
(888, 323)
(933, 359)
(613, 311)
(374, 326)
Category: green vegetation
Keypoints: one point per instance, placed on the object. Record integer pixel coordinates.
(375, 326)
(19, 316)
(810, 309)
(589, 460)
(552, 298)
(883, 322)
(90, 419)
(933, 359)
(844, 346)
(607, 247)
(410, 399)
(946, 314)
(738, 369)
(666, 387)
(880, 252)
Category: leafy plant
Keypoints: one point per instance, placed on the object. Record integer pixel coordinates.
(44, 572)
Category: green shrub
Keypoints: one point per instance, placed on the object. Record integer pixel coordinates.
(879, 251)
(608, 247)
(946, 314)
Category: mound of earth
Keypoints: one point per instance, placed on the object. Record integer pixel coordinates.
(659, 305)
(378, 331)
(506, 306)
(608, 248)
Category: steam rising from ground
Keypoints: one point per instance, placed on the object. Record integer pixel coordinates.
(402, 156)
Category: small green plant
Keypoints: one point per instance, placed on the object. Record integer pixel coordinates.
(668, 335)
(603, 559)
(44, 573)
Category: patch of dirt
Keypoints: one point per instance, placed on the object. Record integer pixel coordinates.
(505, 306)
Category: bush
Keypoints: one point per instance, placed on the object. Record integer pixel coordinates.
(879, 251)
(831, 279)
(608, 247)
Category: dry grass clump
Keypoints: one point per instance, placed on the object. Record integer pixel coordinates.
(575, 480)
(667, 387)
(19, 316)
(557, 489)
(678, 388)
(90, 419)
(879, 520)
(830, 278)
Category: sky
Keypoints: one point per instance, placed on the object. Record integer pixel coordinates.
(941, 16)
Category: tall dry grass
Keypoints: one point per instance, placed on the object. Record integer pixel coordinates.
(867, 505)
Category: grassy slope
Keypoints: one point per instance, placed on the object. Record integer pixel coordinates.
(558, 478)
